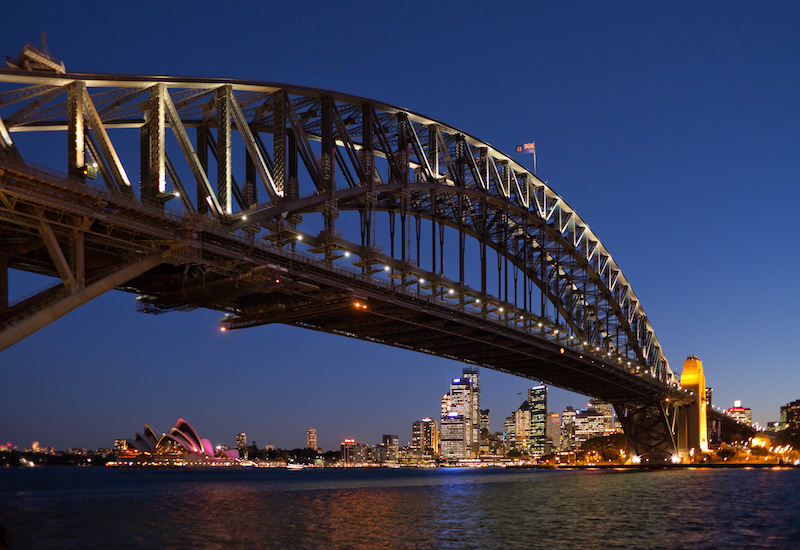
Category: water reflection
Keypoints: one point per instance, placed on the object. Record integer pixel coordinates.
(383, 509)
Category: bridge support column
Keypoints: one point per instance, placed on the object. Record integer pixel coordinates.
(43, 317)
(649, 430)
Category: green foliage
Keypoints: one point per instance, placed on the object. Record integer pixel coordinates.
(726, 452)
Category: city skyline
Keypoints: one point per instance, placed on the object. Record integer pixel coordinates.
(660, 125)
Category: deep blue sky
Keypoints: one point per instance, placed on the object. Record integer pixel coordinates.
(672, 128)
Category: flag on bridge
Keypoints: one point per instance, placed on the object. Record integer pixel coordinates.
(527, 147)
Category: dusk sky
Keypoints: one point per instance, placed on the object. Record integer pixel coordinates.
(672, 129)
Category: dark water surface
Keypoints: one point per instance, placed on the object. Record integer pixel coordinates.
(370, 508)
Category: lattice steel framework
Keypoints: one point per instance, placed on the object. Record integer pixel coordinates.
(400, 209)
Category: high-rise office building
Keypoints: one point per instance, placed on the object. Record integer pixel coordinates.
(453, 437)
(485, 424)
(464, 398)
(311, 438)
(522, 427)
(589, 423)
(537, 400)
(508, 432)
(392, 445)
(425, 437)
(607, 410)
(353, 452)
(241, 441)
(568, 429)
(553, 432)
(790, 415)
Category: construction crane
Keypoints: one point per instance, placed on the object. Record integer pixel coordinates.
(35, 59)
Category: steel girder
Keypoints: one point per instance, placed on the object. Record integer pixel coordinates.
(364, 163)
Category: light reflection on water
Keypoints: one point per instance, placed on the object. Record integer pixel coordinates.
(406, 508)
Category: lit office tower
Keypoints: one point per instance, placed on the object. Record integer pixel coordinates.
(509, 428)
(607, 410)
(485, 424)
(522, 427)
(472, 374)
(790, 415)
(425, 437)
(392, 445)
(553, 432)
(311, 438)
(568, 429)
(464, 398)
(241, 441)
(453, 437)
(537, 399)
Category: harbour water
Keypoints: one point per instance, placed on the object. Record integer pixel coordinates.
(372, 508)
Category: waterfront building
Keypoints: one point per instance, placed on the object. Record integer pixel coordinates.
(464, 398)
(553, 432)
(589, 423)
(353, 452)
(453, 437)
(522, 426)
(568, 429)
(180, 444)
(508, 432)
(790, 415)
(311, 438)
(740, 414)
(425, 437)
(607, 410)
(537, 399)
(485, 424)
(392, 445)
(241, 441)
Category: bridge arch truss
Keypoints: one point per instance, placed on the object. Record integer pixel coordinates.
(390, 202)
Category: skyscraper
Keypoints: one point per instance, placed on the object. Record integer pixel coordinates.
(425, 437)
(537, 398)
(392, 445)
(453, 441)
(464, 398)
(553, 432)
(241, 441)
(568, 429)
(311, 438)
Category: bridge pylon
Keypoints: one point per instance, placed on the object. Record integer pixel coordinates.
(693, 418)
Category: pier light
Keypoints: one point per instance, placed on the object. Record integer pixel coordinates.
(299, 237)
(521, 318)
(540, 324)
(478, 301)
(346, 254)
(451, 291)
(387, 268)
(244, 217)
(500, 310)
(422, 281)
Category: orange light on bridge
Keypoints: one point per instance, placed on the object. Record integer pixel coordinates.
(222, 329)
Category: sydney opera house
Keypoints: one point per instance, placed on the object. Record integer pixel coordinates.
(180, 445)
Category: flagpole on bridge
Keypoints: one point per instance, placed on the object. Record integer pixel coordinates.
(529, 147)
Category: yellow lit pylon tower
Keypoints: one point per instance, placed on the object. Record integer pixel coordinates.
(693, 437)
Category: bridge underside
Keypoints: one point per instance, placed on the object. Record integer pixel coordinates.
(256, 284)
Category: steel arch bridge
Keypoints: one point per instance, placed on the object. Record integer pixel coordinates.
(282, 204)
